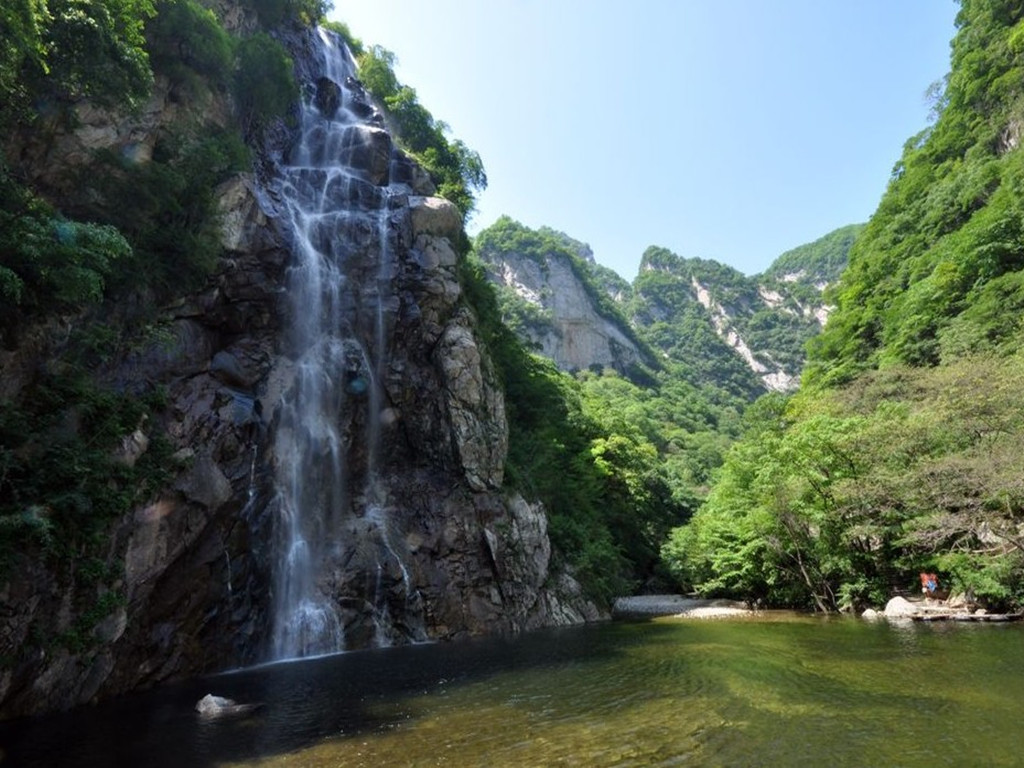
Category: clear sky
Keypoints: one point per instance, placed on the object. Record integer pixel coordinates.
(726, 130)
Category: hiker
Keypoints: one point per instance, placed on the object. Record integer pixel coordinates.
(929, 583)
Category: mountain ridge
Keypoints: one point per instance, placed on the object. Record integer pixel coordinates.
(763, 320)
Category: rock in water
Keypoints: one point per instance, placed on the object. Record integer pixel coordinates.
(900, 607)
(211, 706)
(328, 97)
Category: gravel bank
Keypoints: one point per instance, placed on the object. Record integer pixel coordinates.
(675, 605)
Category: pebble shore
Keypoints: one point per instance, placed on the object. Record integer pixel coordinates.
(639, 606)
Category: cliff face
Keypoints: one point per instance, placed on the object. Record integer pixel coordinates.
(761, 323)
(433, 547)
(576, 336)
(551, 297)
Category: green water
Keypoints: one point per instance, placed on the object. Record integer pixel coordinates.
(777, 690)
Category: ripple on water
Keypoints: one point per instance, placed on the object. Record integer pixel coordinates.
(771, 693)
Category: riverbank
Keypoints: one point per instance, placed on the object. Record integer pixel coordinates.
(928, 609)
(649, 606)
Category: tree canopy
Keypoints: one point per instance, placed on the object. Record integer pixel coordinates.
(901, 452)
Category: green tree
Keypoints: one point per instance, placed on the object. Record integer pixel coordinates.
(264, 84)
(456, 170)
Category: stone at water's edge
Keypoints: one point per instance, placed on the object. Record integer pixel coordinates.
(676, 605)
(900, 607)
(212, 707)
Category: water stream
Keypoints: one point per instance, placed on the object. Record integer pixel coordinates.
(335, 202)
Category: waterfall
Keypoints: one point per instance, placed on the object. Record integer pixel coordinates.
(333, 197)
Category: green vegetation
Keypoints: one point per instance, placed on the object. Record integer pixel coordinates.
(839, 497)
(664, 305)
(821, 261)
(48, 262)
(609, 498)
(264, 85)
(950, 221)
(151, 225)
(902, 451)
(276, 13)
(617, 462)
(775, 317)
(355, 45)
(187, 44)
(61, 483)
(456, 170)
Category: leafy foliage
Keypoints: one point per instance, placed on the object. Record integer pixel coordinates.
(950, 221)
(665, 305)
(264, 84)
(276, 13)
(354, 44)
(48, 263)
(59, 481)
(457, 170)
(187, 43)
(609, 499)
(167, 208)
(821, 261)
(774, 314)
(843, 496)
(60, 50)
(902, 452)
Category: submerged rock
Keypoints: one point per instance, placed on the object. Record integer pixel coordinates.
(211, 706)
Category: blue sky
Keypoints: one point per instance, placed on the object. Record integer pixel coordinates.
(726, 130)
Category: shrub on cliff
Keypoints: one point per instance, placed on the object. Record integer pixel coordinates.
(49, 263)
(457, 170)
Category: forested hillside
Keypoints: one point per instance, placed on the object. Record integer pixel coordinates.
(648, 424)
(902, 450)
(719, 327)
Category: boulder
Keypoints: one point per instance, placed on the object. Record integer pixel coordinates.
(405, 170)
(132, 447)
(435, 216)
(211, 706)
(870, 614)
(239, 213)
(900, 607)
(368, 149)
(328, 97)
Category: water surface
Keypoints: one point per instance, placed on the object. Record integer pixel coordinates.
(776, 690)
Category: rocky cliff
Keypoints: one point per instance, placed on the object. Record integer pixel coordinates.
(184, 582)
(551, 296)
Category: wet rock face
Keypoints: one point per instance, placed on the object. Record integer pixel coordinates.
(328, 97)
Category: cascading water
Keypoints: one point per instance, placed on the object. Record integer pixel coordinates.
(333, 196)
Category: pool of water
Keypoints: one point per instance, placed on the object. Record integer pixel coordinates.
(773, 690)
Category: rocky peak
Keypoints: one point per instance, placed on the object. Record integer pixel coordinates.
(551, 297)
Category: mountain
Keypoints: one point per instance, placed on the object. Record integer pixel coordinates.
(723, 328)
(553, 296)
(901, 453)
